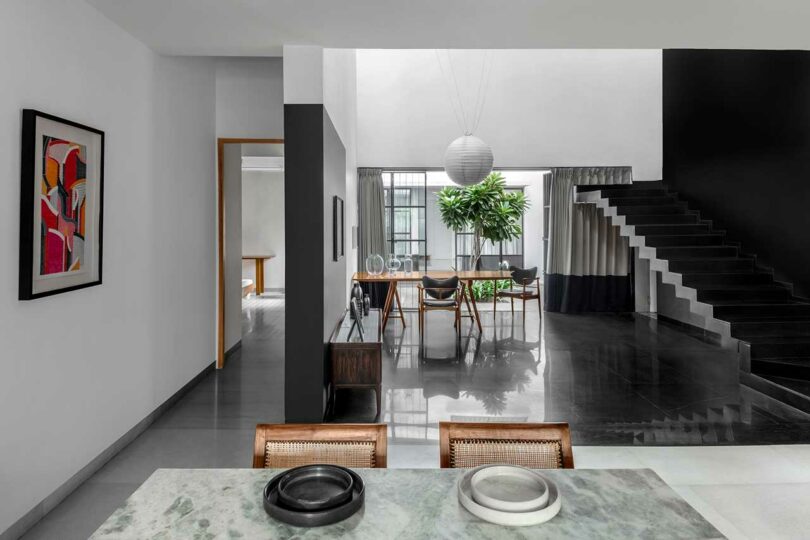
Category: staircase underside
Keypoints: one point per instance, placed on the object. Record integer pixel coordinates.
(739, 300)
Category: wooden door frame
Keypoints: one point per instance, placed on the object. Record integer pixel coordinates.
(221, 142)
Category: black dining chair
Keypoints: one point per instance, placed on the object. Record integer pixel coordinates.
(440, 294)
(525, 285)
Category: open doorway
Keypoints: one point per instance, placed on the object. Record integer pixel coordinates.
(250, 237)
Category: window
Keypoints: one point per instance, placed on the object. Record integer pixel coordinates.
(405, 215)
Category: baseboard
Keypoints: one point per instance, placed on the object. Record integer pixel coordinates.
(229, 352)
(22, 525)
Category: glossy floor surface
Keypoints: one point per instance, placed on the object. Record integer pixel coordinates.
(616, 379)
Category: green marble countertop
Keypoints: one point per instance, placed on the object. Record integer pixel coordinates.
(402, 503)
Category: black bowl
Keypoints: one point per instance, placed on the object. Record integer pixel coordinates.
(316, 518)
(315, 487)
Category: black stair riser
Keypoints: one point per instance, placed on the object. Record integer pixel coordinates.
(652, 230)
(743, 297)
(668, 219)
(780, 350)
(743, 330)
(760, 310)
(684, 240)
(761, 318)
(707, 280)
(613, 187)
(695, 252)
(776, 368)
(630, 193)
(645, 210)
(642, 201)
(711, 266)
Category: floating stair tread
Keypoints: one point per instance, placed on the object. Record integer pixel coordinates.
(796, 385)
(748, 287)
(798, 361)
(778, 340)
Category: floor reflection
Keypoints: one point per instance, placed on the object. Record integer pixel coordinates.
(617, 379)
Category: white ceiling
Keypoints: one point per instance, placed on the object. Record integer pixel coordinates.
(261, 27)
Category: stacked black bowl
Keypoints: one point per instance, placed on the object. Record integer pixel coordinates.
(314, 495)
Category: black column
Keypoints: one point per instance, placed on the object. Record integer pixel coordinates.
(314, 172)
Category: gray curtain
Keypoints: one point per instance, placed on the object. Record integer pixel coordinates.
(371, 231)
(588, 263)
(371, 234)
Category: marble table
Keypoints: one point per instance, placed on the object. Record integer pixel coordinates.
(402, 503)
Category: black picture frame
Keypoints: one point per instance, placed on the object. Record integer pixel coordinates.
(338, 243)
(28, 186)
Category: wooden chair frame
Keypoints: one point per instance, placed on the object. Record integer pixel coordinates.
(527, 294)
(506, 431)
(376, 433)
(457, 296)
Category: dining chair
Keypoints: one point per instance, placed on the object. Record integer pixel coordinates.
(536, 446)
(349, 445)
(440, 294)
(525, 285)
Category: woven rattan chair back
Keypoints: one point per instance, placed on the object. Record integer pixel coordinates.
(537, 446)
(293, 445)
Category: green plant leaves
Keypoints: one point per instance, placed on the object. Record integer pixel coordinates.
(485, 207)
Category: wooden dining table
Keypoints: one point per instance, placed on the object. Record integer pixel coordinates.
(467, 277)
(403, 503)
(259, 270)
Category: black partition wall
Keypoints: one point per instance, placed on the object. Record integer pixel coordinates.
(737, 145)
(314, 173)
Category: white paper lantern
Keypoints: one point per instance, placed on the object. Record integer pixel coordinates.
(468, 160)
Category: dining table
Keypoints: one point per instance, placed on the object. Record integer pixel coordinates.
(467, 278)
(259, 262)
(403, 504)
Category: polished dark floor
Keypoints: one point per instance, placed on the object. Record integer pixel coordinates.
(616, 379)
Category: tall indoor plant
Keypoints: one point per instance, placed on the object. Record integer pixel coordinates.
(486, 209)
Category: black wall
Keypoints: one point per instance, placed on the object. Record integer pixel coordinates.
(314, 171)
(737, 146)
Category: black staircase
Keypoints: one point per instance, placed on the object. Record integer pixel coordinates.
(771, 324)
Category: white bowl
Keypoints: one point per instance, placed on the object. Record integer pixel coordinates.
(509, 488)
(512, 519)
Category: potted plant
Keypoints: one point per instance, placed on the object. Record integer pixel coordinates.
(486, 209)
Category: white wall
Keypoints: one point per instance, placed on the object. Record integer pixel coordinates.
(340, 101)
(250, 98)
(544, 108)
(263, 224)
(92, 363)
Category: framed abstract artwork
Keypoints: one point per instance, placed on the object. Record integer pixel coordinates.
(338, 247)
(61, 205)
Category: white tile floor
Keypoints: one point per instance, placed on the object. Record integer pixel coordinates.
(747, 492)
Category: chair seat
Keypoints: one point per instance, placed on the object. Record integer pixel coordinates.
(518, 293)
(432, 302)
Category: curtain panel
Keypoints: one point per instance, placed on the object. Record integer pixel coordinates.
(371, 230)
(588, 263)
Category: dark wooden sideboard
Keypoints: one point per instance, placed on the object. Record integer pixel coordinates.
(356, 362)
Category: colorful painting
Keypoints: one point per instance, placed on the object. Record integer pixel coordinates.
(62, 213)
(62, 200)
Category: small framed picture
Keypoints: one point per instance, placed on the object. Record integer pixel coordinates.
(338, 245)
(61, 205)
